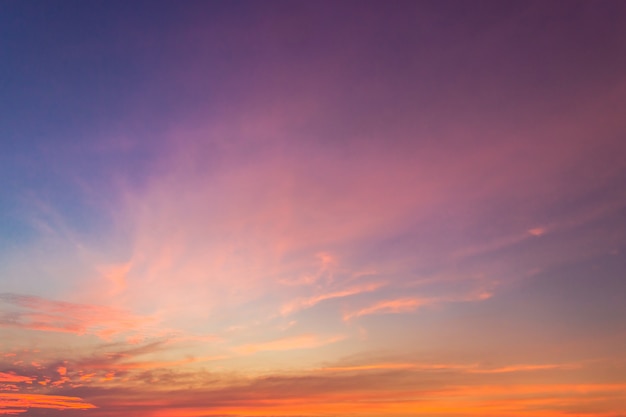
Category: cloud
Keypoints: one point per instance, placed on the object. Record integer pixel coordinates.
(410, 304)
(307, 302)
(11, 403)
(472, 368)
(110, 362)
(306, 341)
(36, 313)
(369, 367)
(10, 377)
(400, 305)
(524, 368)
(537, 231)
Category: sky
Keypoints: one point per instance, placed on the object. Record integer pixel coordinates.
(313, 208)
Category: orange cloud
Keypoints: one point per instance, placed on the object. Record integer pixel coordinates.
(303, 303)
(19, 403)
(9, 377)
(401, 305)
(524, 368)
(372, 367)
(125, 366)
(463, 368)
(307, 341)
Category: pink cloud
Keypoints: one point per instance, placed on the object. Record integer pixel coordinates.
(302, 303)
(306, 341)
(401, 305)
(35, 313)
(410, 304)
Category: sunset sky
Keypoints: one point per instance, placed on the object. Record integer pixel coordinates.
(313, 208)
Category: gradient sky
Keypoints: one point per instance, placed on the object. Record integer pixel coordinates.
(313, 208)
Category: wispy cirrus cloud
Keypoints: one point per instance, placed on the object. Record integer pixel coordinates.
(400, 305)
(306, 302)
(36, 313)
(473, 368)
(525, 368)
(305, 341)
(410, 304)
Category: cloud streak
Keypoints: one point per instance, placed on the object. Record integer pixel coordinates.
(21, 403)
(305, 341)
(36, 313)
(411, 304)
(303, 303)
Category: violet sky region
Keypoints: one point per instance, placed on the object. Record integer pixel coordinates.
(313, 208)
